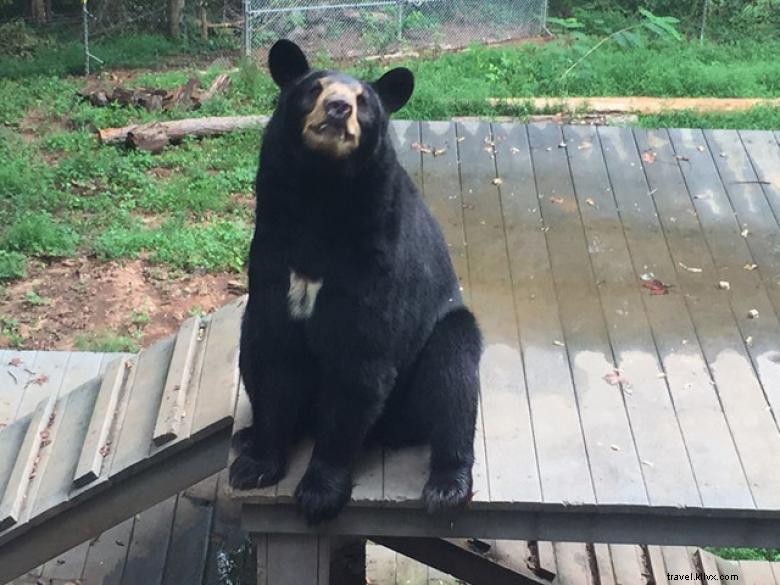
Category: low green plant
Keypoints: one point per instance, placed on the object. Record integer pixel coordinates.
(105, 341)
(9, 331)
(12, 265)
(34, 299)
(39, 234)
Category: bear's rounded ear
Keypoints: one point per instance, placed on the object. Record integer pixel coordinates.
(395, 88)
(286, 62)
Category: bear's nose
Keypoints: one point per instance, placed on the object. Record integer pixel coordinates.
(338, 109)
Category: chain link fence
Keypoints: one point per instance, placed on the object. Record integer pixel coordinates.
(364, 28)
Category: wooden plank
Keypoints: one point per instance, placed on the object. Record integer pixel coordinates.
(16, 370)
(757, 573)
(603, 559)
(293, 560)
(81, 368)
(54, 466)
(776, 571)
(57, 479)
(106, 556)
(614, 463)
(12, 440)
(135, 439)
(564, 523)
(443, 188)
(677, 560)
(751, 424)
(148, 550)
(657, 566)
(765, 157)
(665, 465)
(752, 208)
(177, 383)
(560, 449)
(186, 561)
(95, 445)
(46, 378)
(18, 483)
(730, 253)
(729, 570)
(219, 377)
(573, 564)
(405, 471)
(22, 549)
(704, 562)
(713, 456)
(628, 564)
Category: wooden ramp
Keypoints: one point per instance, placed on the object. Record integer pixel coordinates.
(136, 431)
(628, 286)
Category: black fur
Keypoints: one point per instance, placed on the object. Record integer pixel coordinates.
(389, 353)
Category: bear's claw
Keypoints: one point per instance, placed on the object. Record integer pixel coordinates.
(447, 490)
(247, 473)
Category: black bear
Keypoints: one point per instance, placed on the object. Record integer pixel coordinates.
(355, 330)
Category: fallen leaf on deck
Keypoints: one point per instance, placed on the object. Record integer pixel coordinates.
(615, 377)
(753, 313)
(614, 447)
(656, 287)
(557, 200)
(649, 156)
(584, 145)
(724, 285)
(681, 157)
(700, 148)
(461, 138)
(749, 341)
(563, 145)
(590, 202)
(750, 267)
(423, 148)
(689, 268)
(15, 362)
(498, 181)
(558, 343)
(745, 233)
(439, 151)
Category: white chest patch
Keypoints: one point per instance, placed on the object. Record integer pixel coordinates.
(302, 295)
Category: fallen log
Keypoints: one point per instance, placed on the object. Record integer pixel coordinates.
(157, 135)
(635, 105)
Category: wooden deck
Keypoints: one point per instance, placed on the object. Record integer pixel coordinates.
(195, 537)
(607, 411)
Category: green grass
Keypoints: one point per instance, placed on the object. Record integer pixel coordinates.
(106, 341)
(62, 194)
(749, 554)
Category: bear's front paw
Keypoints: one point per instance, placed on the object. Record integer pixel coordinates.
(323, 493)
(247, 473)
(447, 490)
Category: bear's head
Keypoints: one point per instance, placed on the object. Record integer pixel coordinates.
(332, 114)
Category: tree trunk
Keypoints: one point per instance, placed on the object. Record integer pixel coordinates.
(204, 20)
(38, 11)
(175, 11)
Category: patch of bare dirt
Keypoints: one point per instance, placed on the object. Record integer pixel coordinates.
(61, 300)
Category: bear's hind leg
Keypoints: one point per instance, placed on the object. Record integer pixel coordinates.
(278, 390)
(444, 394)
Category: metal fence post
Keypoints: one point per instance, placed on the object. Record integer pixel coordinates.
(247, 31)
(85, 21)
(401, 20)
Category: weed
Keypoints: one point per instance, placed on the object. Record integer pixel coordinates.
(38, 234)
(9, 332)
(106, 341)
(140, 318)
(34, 299)
(12, 265)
